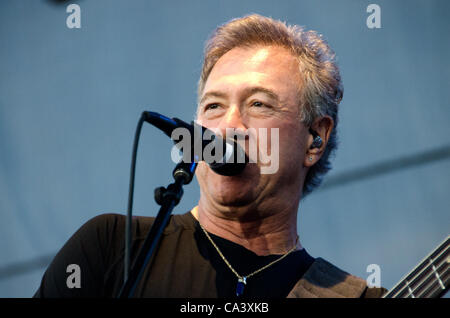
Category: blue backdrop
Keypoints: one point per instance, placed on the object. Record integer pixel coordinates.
(70, 100)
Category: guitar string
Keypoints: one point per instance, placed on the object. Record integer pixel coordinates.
(430, 292)
(435, 289)
(421, 285)
(426, 291)
(399, 287)
(414, 278)
(432, 273)
(428, 267)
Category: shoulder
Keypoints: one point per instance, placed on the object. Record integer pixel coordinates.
(324, 279)
(97, 248)
(106, 221)
(89, 248)
(107, 224)
(108, 227)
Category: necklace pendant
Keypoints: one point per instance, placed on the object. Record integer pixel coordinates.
(240, 286)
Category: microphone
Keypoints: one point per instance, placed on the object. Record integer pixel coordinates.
(233, 158)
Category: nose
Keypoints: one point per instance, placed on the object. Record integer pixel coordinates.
(232, 119)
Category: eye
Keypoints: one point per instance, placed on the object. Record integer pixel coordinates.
(211, 106)
(258, 104)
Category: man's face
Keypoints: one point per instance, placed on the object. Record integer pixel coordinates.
(255, 88)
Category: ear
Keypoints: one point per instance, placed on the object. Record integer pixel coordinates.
(323, 126)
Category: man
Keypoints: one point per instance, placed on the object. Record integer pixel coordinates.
(241, 239)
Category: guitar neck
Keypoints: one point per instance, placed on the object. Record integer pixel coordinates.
(429, 279)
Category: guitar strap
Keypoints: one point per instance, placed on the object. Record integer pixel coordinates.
(324, 280)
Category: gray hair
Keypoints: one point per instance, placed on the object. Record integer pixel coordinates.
(322, 90)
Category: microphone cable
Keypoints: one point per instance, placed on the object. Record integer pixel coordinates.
(128, 221)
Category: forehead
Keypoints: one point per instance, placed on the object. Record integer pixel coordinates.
(273, 67)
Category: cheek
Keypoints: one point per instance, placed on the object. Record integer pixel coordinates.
(206, 178)
(292, 145)
(211, 124)
(201, 172)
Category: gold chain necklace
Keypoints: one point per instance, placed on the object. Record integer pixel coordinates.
(242, 280)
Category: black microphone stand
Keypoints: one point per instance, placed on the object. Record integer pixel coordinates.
(168, 198)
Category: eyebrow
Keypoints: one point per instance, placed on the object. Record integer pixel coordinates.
(212, 94)
(248, 92)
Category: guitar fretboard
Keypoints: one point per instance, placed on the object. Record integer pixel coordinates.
(430, 279)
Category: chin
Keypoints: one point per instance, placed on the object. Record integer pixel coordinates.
(233, 191)
(237, 190)
(235, 198)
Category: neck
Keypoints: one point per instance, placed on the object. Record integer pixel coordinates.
(272, 234)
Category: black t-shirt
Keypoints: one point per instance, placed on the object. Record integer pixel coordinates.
(185, 265)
